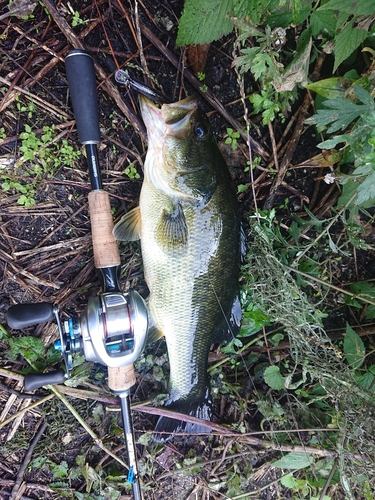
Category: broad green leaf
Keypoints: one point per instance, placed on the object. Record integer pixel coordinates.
(370, 312)
(331, 88)
(354, 348)
(284, 18)
(356, 7)
(332, 143)
(352, 302)
(232, 347)
(348, 197)
(3, 332)
(31, 348)
(294, 461)
(366, 190)
(367, 379)
(346, 42)
(255, 10)
(59, 471)
(253, 320)
(363, 289)
(203, 21)
(276, 339)
(322, 23)
(289, 481)
(274, 379)
(241, 188)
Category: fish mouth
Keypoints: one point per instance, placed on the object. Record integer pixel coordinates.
(169, 119)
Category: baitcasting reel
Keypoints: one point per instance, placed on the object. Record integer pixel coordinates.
(111, 331)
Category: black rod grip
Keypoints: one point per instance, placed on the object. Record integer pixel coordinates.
(33, 381)
(80, 71)
(24, 315)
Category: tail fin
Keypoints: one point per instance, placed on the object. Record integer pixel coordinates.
(166, 427)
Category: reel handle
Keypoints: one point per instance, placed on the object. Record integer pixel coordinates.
(28, 314)
(33, 381)
(82, 84)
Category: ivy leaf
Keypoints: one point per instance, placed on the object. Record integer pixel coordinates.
(346, 42)
(354, 348)
(273, 378)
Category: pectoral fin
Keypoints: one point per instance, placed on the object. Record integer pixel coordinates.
(154, 334)
(172, 230)
(128, 228)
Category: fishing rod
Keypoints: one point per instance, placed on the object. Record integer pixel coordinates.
(112, 329)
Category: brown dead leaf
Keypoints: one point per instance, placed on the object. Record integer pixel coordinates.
(196, 57)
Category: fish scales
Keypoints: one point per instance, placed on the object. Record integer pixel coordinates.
(188, 224)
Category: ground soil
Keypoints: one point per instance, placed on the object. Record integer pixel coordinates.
(46, 252)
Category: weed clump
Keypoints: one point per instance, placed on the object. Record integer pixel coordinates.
(276, 293)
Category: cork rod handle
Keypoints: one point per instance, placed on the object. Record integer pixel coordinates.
(106, 253)
(121, 379)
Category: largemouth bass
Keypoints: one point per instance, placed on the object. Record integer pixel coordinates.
(189, 227)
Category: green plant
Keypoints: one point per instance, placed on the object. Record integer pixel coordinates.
(232, 138)
(356, 115)
(262, 27)
(131, 172)
(27, 191)
(42, 156)
(33, 350)
(325, 379)
(76, 21)
(28, 107)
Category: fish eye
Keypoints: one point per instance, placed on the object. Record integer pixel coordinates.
(200, 130)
